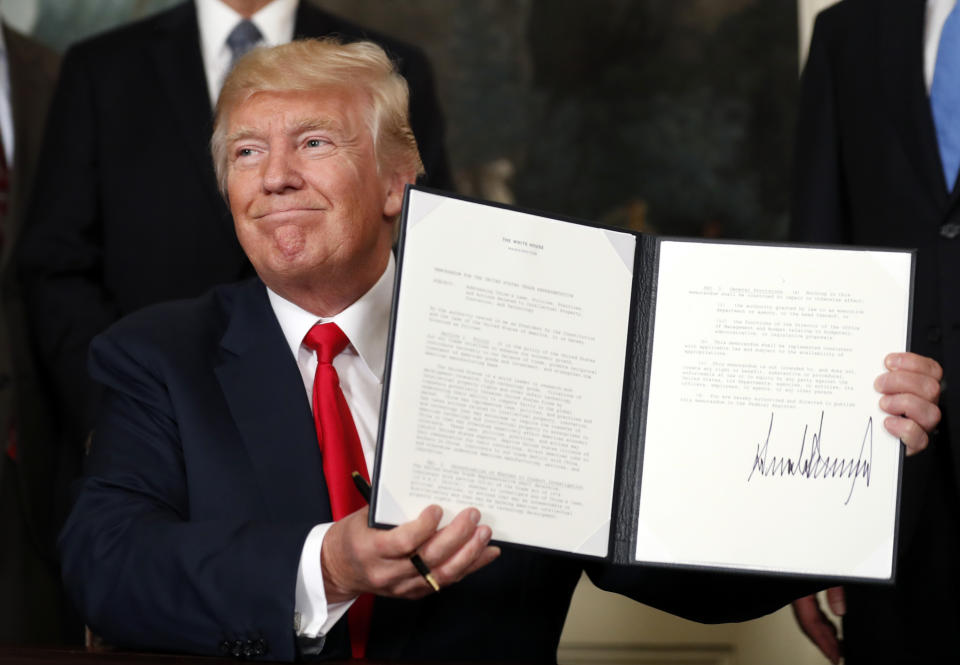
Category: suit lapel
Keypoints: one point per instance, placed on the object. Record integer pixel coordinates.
(900, 30)
(179, 68)
(265, 393)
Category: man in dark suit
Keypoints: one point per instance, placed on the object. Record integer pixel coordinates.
(204, 522)
(133, 109)
(29, 579)
(868, 172)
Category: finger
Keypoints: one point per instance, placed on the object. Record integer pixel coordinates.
(923, 413)
(413, 587)
(418, 587)
(463, 560)
(806, 610)
(922, 385)
(837, 600)
(912, 362)
(909, 432)
(450, 538)
(817, 626)
(489, 555)
(404, 540)
(402, 578)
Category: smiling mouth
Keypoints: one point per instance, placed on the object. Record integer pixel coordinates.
(285, 212)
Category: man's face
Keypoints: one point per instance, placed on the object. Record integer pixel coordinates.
(310, 208)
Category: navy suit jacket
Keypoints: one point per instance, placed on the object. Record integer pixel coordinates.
(868, 172)
(204, 478)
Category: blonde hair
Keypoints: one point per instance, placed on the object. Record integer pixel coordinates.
(309, 64)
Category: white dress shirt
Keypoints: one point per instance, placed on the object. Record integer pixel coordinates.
(217, 20)
(937, 11)
(6, 110)
(360, 368)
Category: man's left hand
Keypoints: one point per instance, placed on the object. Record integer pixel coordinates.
(911, 390)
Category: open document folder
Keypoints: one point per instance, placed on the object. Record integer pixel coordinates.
(649, 400)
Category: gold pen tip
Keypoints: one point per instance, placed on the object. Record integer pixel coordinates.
(433, 582)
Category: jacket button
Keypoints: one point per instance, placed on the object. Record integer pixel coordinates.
(950, 230)
(225, 647)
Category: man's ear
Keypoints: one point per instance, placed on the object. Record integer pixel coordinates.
(393, 201)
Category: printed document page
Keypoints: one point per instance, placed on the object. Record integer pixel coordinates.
(764, 446)
(507, 372)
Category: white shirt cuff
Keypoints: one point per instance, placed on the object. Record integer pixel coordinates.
(315, 616)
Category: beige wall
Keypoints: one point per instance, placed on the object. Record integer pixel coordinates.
(606, 628)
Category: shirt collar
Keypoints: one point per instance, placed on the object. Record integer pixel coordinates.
(365, 322)
(216, 20)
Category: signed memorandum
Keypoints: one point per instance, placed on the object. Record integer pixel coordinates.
(609, 394)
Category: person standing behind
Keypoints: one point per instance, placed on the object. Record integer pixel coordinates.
(29, 578)
(877, 154)
(136, 217)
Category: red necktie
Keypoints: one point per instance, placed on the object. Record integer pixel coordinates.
(342, 454)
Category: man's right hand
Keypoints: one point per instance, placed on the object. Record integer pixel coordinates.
(817, 625)
(356, 559)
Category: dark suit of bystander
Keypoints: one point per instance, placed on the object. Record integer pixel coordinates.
(29, 455)
(868, 172)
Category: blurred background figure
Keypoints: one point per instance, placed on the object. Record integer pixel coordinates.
(132, 116)
(877, 152)
(30, 607)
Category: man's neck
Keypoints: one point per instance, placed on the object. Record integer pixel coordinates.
(338, 292)
(246, 8)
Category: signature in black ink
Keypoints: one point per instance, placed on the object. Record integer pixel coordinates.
(813, 464)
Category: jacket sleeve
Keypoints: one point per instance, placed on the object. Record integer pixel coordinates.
(701, 595)
(143, 572)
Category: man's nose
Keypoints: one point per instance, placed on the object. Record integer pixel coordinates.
(281, 171)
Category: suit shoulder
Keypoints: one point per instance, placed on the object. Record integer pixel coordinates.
(850, 16)
(113, 44)
(854, 31)
(315, 22)
(835, 19)
(174, 326)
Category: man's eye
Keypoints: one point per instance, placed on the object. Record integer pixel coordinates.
(316, 143)
(244, 152)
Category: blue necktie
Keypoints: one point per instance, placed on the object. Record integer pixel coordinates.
(945, 97)
(242, 39)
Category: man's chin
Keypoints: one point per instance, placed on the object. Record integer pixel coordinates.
(289, 241)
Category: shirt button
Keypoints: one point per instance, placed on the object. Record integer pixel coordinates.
(950, 230)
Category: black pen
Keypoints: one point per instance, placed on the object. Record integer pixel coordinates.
(364, 487)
